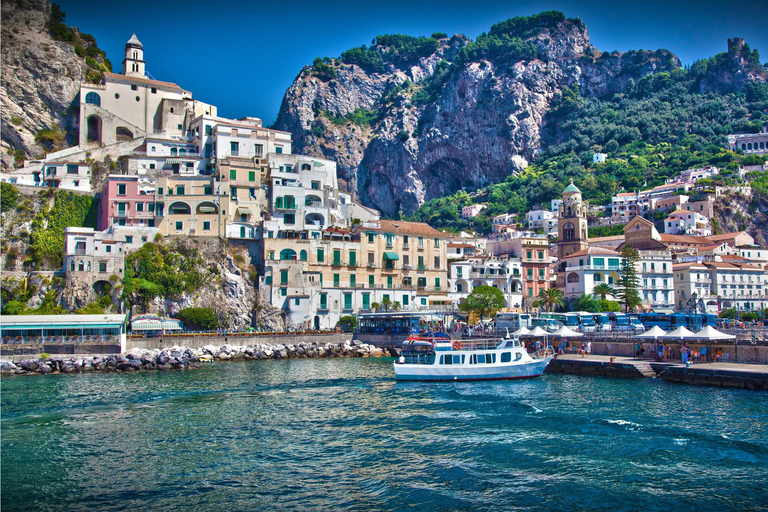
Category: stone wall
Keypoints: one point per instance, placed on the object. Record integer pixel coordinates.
(202, 341)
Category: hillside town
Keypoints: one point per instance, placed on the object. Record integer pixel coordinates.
(183, 171)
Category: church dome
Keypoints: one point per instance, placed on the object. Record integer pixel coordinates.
(571, 189)
(134, 41)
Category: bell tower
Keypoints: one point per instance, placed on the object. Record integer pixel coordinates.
(571, 223)
(133, 63)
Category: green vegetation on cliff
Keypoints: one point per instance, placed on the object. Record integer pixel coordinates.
(47, 236)
(85, 45)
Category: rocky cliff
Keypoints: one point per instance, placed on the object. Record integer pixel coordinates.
(41, 76)
(411, 119)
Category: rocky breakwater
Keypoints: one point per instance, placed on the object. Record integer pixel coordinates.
(181, 358)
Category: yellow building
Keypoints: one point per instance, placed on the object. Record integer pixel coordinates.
(248, 180)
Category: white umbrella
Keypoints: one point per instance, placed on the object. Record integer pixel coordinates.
(654, 332)
(712, 334)
(538, 331)
(566, 332)
(678, 334)
(523, 331)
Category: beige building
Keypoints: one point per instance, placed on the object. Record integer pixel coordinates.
(248, 180)
(318, 280)
(191, 206)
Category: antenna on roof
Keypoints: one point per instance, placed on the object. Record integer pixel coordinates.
(149, 75)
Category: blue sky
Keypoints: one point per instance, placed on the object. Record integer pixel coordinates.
(242, 55)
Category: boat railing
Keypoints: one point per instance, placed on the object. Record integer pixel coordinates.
(543, 353)
(476, 344)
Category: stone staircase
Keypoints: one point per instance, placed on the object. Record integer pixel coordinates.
(645, 368)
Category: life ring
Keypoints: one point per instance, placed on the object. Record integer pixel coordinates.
(456, 345)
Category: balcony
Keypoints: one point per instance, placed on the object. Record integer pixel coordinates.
(121, 213)
(601, 268)
(421, 267)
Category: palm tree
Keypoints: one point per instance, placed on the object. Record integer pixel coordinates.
(551, 298)
(602, 290)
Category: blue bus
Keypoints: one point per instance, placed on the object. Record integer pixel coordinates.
(671, 321)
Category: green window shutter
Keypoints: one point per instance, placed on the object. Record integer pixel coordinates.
(251, 176)
(389, 281)
(347, 301)
(352, 259)
(320, 255)
(370, 281)
(278, 203)
(283, 277)
(405, 300)
(233, 174)
(335, 280)
(366, 301)
(336, 257)
(323, 301)
(437, 283)
(352, 280)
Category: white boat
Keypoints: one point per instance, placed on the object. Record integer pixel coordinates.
(435, 358)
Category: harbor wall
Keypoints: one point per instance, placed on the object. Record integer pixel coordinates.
(218, 341)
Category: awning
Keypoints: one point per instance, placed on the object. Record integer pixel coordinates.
(241, 210)
(206, 209)
(391, 256)
(173, 160)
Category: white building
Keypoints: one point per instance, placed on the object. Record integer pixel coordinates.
(64, 175)
(555, 205)
(503, 273)
(693, 284)
(589, 267)
(97, 255)
(599, 158)
(542, 219)
(625, 204)
(686, 222)
(656, 278)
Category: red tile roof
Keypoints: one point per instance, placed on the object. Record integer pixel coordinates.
(140, 80)
(410, 228)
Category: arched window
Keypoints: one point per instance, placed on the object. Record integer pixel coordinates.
(93, 99)
(89, 266)
(303, 255)
(182, 152)
(174, 152)
(568, 232)
(598, 278)
(287, 254)
(306, 167)
(573, 277)
(81, 266)
(72, 265)
(744, 147)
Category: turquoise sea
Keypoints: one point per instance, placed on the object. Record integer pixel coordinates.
(340, 434)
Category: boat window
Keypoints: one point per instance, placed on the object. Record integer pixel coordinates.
(518, 356)
(455, 359)
(490, 358)
(480, 358)
(506, 357)
(446, 360)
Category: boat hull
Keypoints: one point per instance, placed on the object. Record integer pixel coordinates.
(420, 372)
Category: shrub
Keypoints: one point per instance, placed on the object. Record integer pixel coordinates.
(403, 135)
(199, 318)
(16, 120)
(91, 309)
(9, 197)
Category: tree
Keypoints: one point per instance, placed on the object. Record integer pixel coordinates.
(603, 290)
(375, 306)
(347, 323)
(550, 298)
(483, 301)
(610, 306)
(628, 280)
(199, 318)
(587, 303)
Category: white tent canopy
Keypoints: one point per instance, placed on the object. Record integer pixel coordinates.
(523, 331)
(680, 333)
(566, 332)
(538, 331)
(654, 332)
(710, 333)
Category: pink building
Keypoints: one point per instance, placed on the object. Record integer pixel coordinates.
(127, 201)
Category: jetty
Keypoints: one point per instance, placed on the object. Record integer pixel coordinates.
(720, 374)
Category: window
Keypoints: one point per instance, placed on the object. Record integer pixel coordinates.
(179, 225)
(352, 280)
(93, 99)
(335, 280)
(530, 273)
(315, 185)
(352, 258)
(320, 255)
(180, 190)
(437, 261)
(371, 237)
(390, 238)
(347, 301)
(234, 148)
(289, 218)
(208, 190)
(366, 301)
(139, 207)
(283, 277)
(437, 243)
(421, 263)
(135, 87)
(128, 239)
(283, 292)
(421, 242)
(178, 127)
(541, 255)
(121, 189)
(370, 282)
(278, 149)
(337, 257)
(406, 259)
(323, 301)
(421, 282)
(102, 266)
(251, 176)
(153, 90)
(437, 283)
(71, 169)
(206, 225)
(108, 248)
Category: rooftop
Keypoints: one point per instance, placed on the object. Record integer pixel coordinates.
(410, 228)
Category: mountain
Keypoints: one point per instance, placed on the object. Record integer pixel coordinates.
(412, 119)
(43, 63)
